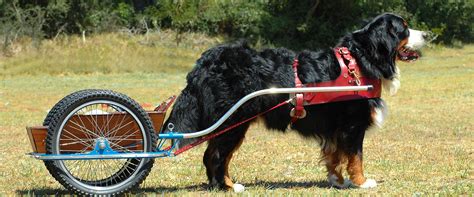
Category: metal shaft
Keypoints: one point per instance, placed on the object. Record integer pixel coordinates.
(260, 93)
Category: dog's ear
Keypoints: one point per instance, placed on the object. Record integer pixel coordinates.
(380, 45)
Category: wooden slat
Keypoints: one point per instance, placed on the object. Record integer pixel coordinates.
(88, 130)
(157, 119)
(37, 136)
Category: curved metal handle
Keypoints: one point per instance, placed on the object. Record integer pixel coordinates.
(260, 93)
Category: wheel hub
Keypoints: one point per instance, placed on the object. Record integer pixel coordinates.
(101, 144)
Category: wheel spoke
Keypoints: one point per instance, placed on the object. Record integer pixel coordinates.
(122, 148)
(115, 126)
(76, 138)
(88, 134)
(88, 119)
(100, 171)
(83, 128)
(113, 132)
(127, 136)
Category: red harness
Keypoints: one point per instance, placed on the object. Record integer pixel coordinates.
(350, 75)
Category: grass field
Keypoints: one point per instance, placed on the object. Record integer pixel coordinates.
(425, 147)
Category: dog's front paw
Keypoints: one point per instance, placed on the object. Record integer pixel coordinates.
(333, 180)
(238, 188)
(369, 183)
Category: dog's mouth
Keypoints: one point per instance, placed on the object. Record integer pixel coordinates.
(408, 55)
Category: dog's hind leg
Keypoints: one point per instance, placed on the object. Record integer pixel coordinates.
(334, 161)
(218, 155)
(356, 173)
(354, 152)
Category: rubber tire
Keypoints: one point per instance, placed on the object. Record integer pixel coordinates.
(47, 120)
(56, 116)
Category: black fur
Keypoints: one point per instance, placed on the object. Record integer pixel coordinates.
(226, 73)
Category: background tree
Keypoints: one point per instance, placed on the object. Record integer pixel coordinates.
(295, 24)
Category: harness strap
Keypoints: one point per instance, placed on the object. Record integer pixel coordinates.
(350, 76)
(298, 112)
(350, 70)
(344, 51)
(213, 135)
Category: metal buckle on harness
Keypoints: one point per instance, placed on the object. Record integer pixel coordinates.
(356, 76)
(298, 111)
(343, 51)
(301, 116)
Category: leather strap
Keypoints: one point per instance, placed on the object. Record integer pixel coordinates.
(298, 112)
(344, 51)
(350, 75)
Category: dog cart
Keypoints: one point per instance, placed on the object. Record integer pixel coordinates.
(100, 142)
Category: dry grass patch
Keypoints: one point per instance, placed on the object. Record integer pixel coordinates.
(109, 53)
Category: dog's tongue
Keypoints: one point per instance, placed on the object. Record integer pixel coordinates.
(408, 55)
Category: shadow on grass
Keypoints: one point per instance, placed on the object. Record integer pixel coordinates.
(288, 185)
(43, 192)
(265, 184)
(64, 192)
(201, 187)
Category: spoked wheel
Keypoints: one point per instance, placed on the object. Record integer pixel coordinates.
(97, 122)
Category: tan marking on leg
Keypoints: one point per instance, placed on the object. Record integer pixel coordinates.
(227, 180)
(355, 169)
(334, 162)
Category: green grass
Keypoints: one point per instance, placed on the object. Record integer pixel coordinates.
(425, 147)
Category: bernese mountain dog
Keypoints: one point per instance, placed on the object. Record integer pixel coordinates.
(226, 73)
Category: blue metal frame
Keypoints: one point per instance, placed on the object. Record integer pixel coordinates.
(171, 135)
(102, 150)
